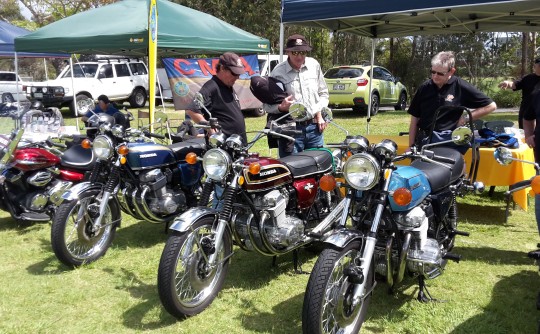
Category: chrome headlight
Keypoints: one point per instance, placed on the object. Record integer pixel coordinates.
(362, 171)
(102, 147)
(216, 164)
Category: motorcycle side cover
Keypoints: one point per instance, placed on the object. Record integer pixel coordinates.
(149, 156)
(410, 178)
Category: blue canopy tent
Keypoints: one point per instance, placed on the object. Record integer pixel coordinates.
(396, 18)
(8, 33)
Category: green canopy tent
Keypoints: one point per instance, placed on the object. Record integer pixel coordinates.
(121, 28)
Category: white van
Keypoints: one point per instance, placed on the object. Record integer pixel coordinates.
(268, 62)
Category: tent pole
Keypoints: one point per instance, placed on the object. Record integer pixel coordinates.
(17, 81)
(45, 66)
(373, 42)
(281, 38)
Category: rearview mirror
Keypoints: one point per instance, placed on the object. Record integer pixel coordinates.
(462, 135)
(298, 112)
(503, 156)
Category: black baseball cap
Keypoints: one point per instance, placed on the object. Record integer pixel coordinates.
(103, 98)
(233, 62)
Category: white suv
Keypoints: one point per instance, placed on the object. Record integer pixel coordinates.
(121, 80)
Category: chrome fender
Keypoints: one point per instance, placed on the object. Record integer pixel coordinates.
(342, 237)
(188, 218)
(78, 189)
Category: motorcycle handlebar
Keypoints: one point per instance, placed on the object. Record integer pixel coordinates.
(154, 135)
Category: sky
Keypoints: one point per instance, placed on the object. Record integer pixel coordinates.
(24, 11)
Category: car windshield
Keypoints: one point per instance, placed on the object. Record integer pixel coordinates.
(82, 71)
(342, 72)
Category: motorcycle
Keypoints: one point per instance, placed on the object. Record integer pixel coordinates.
(270, 206)
(403, 219)
(37, 173)
(143, 179)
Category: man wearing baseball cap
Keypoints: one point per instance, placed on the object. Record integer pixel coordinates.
(221, 99)
(527, 85)
(304, 82)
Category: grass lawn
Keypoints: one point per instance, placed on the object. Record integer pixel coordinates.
(492, 290)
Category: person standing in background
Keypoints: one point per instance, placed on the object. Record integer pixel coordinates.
(527, 85)
(304, 82)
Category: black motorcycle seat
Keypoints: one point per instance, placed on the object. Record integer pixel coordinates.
(78, 157)
(308, 162)
(438, 176)
(195, 145)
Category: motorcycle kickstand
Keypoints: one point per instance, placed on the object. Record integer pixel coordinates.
(423, 294)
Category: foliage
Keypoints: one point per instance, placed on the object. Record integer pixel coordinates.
(506, 98)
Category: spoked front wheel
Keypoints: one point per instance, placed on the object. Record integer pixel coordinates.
(75, 238)
(328, 301)
(187, 283)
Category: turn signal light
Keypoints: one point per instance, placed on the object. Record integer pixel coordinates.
(254, 168)
(402, 196)
(241, 180)
(327, 182)
(123, 150)
(191, 158)
(86, 143)
(535, 184)
(123, 160)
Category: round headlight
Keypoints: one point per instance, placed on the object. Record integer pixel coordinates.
(361, 171)
(102, 147)
(216, 164)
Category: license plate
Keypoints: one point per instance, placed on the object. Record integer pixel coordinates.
(38, 95)
(339, 87)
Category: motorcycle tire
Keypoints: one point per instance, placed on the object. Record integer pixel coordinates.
(186, 286)
(327, 280)
(73, 243)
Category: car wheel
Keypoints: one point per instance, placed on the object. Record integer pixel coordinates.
(7, 98)
(402, 102)
(374, 104)
(137, 98)
(256, 112)
(84, 104)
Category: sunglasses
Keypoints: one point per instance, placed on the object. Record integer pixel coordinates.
(299, 53)
(236, 75)
(441, 74)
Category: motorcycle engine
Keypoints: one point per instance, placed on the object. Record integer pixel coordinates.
(424, 256)
(281, 230)
(162, 199)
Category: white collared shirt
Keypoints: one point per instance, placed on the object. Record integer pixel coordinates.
(306, 85)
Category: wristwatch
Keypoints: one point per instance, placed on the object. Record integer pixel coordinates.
(466, 118)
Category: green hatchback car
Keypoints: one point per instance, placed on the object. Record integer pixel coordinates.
(349, 88)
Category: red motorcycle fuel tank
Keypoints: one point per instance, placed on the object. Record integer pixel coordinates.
(273, 174)
(27, 159)
(306, 190)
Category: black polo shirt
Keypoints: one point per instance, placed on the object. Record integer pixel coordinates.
(223, 104)
(533, 114)
(526, 85)
(456, 92)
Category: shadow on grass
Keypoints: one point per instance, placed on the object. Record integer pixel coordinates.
(493, 256)
(513, 302)
(133, 317)
(23, 227)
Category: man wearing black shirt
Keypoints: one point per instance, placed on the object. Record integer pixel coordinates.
(444, 89)
(221, 99)
(527, 85)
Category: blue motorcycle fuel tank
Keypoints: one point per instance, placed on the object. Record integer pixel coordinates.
(149, 155)
(410, 178)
